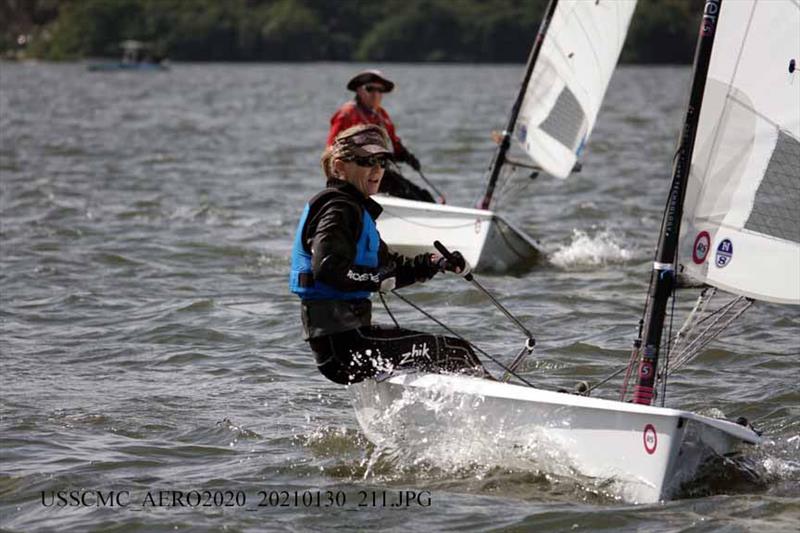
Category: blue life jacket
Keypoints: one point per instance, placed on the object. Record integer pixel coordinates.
(301, 278)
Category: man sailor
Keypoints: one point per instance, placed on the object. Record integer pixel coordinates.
(365, 108)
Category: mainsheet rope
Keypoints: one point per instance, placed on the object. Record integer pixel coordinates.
(451, 332)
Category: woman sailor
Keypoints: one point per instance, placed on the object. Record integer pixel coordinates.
(339, 260)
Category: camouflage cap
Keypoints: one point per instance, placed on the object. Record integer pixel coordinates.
(363, 140)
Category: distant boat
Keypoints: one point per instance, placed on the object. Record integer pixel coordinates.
(136, 55)
(570, 65)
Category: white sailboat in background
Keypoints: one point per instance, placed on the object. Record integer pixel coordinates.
(568, 71)
(734, 194)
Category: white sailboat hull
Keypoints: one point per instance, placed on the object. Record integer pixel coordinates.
(486, 240)
(647, 452)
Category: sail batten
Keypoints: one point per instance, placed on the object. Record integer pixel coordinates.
(569, 81)
(741, 219)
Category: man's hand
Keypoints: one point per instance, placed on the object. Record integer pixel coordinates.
(458, 265)
(413, 161)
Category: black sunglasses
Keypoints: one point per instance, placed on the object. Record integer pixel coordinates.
(371, 161)
(374, 89)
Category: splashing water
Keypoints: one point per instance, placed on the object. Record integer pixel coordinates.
(584, 249)
(435, 430)
(441, 432)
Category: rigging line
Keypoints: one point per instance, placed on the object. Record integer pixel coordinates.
(669, 346)
(506, 197)
(665, 373)
(505, 183)
(697, 343)
(484, 178)
(451, 332)
(704, 338)
(514, 188)
(705, 341)
(606, 380)
(724, 308)
(505, 179)
(637, 344)
(646, 301)
(689, 323)
(385, 306)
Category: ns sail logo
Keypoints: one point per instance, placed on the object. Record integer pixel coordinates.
(724, 253)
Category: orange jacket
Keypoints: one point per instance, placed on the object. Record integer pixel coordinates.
(352, 114)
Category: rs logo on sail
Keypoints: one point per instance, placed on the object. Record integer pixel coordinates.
(701, 246)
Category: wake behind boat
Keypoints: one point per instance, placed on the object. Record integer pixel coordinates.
(570, 65)
(738, 156)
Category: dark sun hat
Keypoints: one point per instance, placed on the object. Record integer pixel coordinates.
(369, 76)
(363, 140)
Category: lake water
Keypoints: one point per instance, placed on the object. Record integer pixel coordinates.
(149, 343)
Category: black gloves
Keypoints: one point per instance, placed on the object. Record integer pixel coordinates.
(420, 268)
(413, 161)
(407, 157)
(407, 270)
(425, 267)
(458, 265)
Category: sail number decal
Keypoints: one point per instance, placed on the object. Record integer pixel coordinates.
(724, 253)
(702, 243)
(650, 439)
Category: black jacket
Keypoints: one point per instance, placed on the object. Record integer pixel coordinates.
(331, 233)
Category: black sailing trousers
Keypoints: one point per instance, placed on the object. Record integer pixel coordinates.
(354, 355)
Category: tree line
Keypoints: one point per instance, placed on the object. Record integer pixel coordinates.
(662, 31)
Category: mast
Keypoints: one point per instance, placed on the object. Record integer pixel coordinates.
(505, 143)
(663, 275)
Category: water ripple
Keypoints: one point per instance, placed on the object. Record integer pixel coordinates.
(149, 341)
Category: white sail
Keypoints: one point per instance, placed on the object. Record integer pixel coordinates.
(569, 80)
(741, 221)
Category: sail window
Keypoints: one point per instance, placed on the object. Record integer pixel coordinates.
(565, 119)
(775, 205)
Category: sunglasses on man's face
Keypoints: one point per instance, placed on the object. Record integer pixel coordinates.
(374, 89)
(371, 161)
